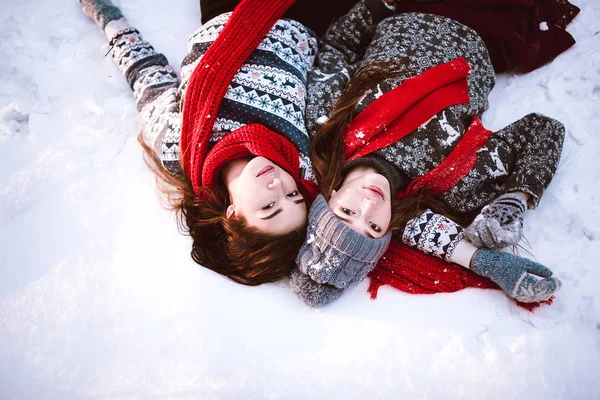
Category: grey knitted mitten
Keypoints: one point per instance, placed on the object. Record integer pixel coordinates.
(313, 293)
(516, 275)
(101, 11)
(500, 223)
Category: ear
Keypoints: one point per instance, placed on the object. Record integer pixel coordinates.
(333, 192)
(230, 212)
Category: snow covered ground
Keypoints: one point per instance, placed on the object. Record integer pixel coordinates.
(99, 298)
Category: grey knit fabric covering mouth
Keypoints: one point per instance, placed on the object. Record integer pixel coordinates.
(334, 253)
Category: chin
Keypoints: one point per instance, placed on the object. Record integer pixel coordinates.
(379, 180)
(256, 164)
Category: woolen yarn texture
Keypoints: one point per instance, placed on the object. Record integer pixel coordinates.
(335, 254)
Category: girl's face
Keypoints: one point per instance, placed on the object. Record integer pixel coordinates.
(265, 195)
(364, 203)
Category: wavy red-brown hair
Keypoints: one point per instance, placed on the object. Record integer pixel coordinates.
(327, 150)
(227, 246)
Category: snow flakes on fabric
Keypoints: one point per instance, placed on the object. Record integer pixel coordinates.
(522, 156)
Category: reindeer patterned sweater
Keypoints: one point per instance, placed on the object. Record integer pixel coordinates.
(520, 157)
(269, 89)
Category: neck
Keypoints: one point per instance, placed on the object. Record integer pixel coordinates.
(233, 170)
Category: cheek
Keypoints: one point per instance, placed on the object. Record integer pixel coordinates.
(332, 201)
(348, 197)
(245, 194)
(385, 215)
(335, 199)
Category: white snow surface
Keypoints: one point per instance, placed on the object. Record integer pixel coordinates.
(99, 298)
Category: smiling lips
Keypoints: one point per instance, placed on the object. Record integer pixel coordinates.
(264, 170)
(377, 190)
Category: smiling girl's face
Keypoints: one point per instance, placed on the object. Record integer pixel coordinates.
(364, 202)
(265, 195)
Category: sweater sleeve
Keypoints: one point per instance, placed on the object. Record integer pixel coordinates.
(520, 157)
(536, 142)
(342, 47)
(155, 88)
(433, 234)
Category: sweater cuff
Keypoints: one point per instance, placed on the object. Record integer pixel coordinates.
(380, 9)
(433, 234)
(534, 197)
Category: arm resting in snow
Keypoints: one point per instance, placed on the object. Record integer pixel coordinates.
(154, 84)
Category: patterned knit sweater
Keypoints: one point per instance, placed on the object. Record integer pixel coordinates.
(269, 89)
(520, 157)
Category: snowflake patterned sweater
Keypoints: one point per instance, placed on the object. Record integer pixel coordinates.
(520, 157)
(269, 88)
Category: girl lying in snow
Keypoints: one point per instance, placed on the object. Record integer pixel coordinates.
(228, 226)
(396, 134)
(240, 196)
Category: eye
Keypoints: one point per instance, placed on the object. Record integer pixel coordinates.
(347, 211)
(269, 206)
(293, 194)
(375, 227)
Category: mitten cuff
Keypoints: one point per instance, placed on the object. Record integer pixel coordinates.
(101, 11)
(534, 197)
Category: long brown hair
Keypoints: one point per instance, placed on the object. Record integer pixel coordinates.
(225, 245)
(327, 149)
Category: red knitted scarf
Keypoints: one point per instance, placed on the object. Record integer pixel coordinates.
(243, 32)
(390, 118)
(257, 140)
(402, 110)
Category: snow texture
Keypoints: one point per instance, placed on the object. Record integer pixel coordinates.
(99, 298)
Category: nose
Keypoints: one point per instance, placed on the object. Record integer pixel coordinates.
(367, 203)
(275, 182)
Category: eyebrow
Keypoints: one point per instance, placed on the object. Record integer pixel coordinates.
(280, 210)
(273, 215)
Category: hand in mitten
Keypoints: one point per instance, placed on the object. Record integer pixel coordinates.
(101, 11)
(500, 223)
(519, 277)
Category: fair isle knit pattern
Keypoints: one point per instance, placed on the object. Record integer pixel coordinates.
(154, 83)
(433, 234)
(269, 89)
(522, 156)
